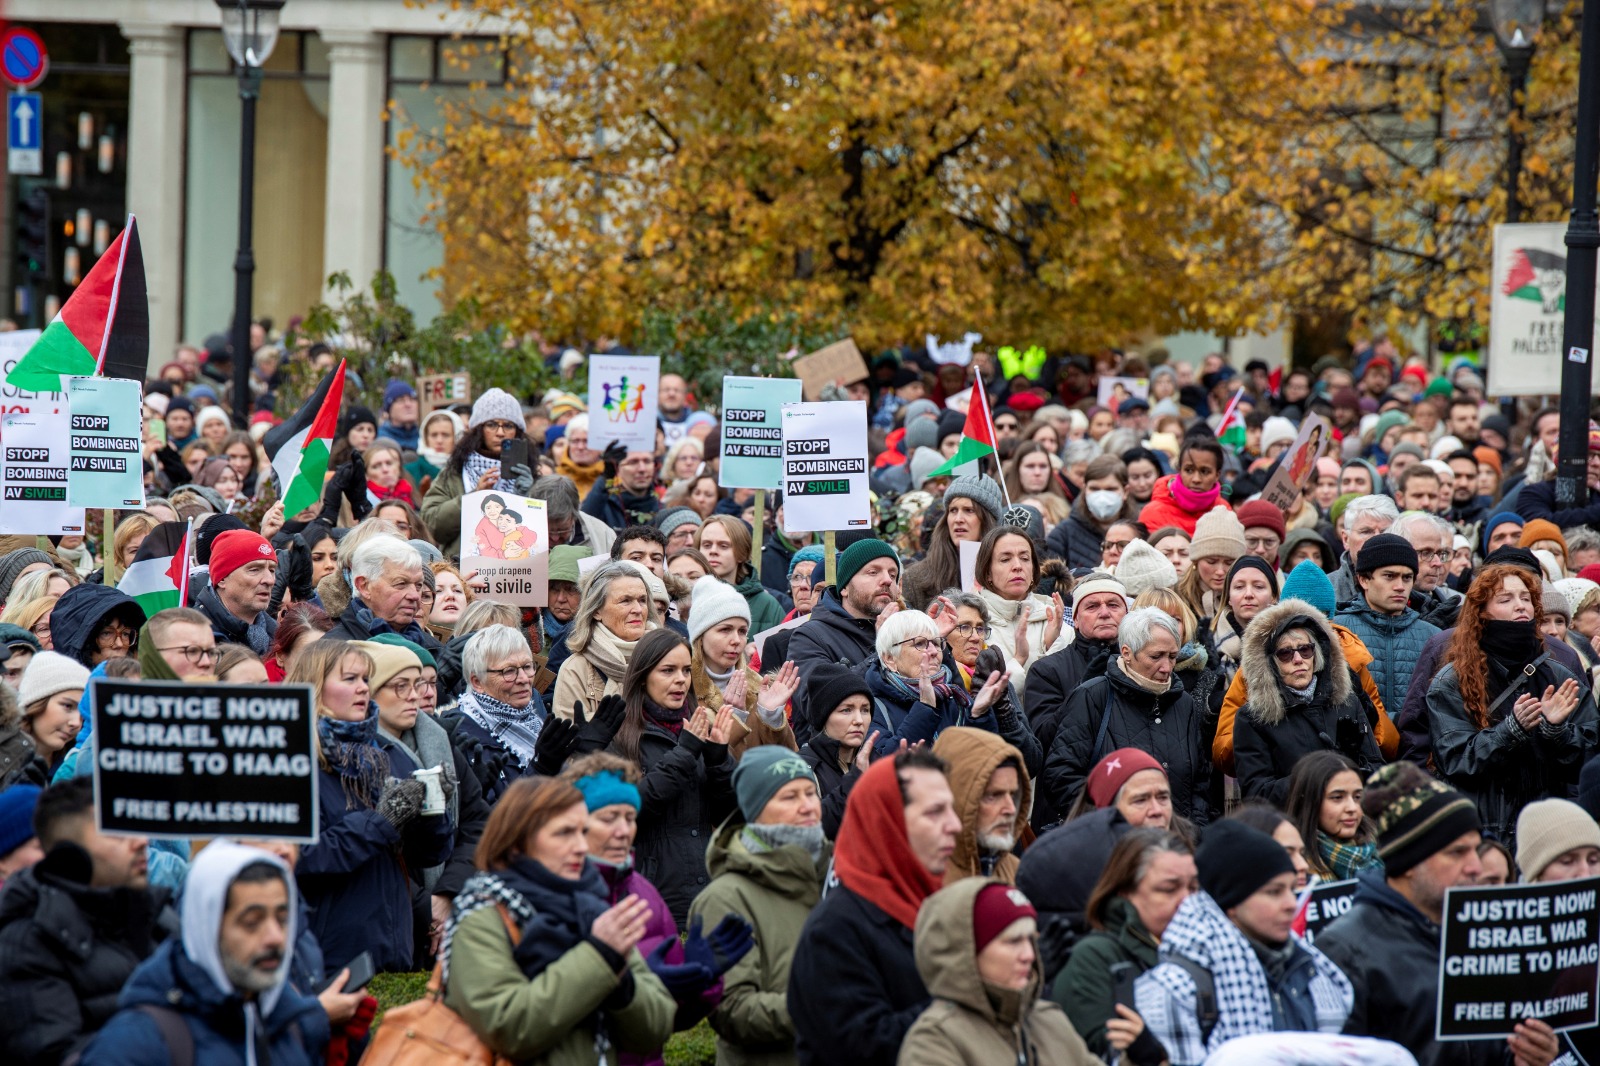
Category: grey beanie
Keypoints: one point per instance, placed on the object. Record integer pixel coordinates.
(923, 462)
(922, 433)
(981, 489)
(13, 563)
(674, 518)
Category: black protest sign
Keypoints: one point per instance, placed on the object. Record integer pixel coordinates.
(205, 760)
(1514, 952)
(1329, 902)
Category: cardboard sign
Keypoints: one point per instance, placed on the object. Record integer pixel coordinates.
(506, 539)
(106, 447)
(752, 431)
(175, 760)
(1297, 473)
(839, 361)
(1527, 309)
(1509, 953)
(1330, 901)
(624, 396)
(825, 467)
(33, 474)
(443, 390)
(1110, 392)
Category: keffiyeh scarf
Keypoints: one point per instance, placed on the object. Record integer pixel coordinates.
(515, 727)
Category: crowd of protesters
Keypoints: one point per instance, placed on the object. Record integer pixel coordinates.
(847, 808)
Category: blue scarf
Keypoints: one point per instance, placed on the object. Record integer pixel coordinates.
(351, 751)
(375, 625)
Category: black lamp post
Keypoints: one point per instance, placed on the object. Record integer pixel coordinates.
(250, 30)
(1516, 24)
(1583, 238)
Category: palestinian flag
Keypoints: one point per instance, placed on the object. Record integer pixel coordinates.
(1230, 431)
(158, 577)
(977, 436)
(299, 447)
(103, 328)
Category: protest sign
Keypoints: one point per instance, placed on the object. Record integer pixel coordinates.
(624, 396)
(752, 431)
(825, 467)
(33, 476)
(840, 361)
(506, 539)
(443, 390)
(13, 346)
(592, 563)
(107, 443)
(1330, 900)
(1527, 309)
(969, 564)
(1509, 953)
(1110, 392)
(177, 759)
(1297, 473)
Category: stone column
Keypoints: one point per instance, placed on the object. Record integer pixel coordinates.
(353, 235)
(155, 172)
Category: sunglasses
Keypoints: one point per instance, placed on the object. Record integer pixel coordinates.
(1307, 652)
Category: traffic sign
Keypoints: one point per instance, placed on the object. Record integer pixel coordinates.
(23, 59)
(24, 136)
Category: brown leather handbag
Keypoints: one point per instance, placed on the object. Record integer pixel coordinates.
(428, 1033)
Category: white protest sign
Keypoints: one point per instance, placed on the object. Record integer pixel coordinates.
(969, 564)
(506, 539)
(13, 346)
(825, 467)
(624, 396)
(33, 476)
(1527, 309)
(107, 445)
(752, 430)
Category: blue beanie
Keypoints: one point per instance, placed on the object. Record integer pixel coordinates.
(606, 788)
(1308, 582)
(394, 391)
(811, 553)
(1498, 519)
(16, 816)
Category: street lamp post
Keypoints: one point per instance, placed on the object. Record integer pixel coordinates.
(1516, 23)
(250, 30)
(1583, 238)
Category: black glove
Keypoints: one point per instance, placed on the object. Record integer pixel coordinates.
(729, 942)
(989, 661)
(613, 457)
(401, 801)
(685, 980)
(521, 478)
(1145, 1050)
(558, 739)
(596, 734)
(332, 493)
(355, 488)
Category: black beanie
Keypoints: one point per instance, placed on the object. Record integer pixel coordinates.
(215, 526)
(1511, 555)
(827, 687)
(1235, 861)
(1416, 815)
(1386, 549)
(1253, 562)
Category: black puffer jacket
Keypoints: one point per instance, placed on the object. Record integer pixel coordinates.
(1275, 727)
(1060, 871)
(1077, 539)
(1113, 712)
(66, 950)
(821, 753)
(686, 791)
(830, 635)
(1051, 681)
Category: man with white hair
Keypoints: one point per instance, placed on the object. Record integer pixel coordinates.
(387, 575)
(1364, 518)
(499, 719)
(1432, 536)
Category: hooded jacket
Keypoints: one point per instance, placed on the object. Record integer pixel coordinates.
(1076, 538)
(1085, 988)
(1399, 636)
(1051, 682)
(1276, 728)
(970, 1021)
(830, 635)
(83, 609)
(1113, 712)
(1164, 510)
(188, 976)
(1310, 994)
(973, 756)
(774, 890)
(65, 952)
(1059, 873)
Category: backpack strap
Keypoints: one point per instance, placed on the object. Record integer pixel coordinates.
(1105, 726)
(1205, 994)
(1527, 672)
(174, 1032)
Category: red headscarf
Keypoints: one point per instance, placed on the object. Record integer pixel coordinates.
(872, 856)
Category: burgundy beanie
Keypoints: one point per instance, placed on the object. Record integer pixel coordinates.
(234, 549)
(1113, 771)
(1263, 514)
(994, 909)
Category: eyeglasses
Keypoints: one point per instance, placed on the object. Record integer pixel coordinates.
(1299, 651)
(406, 689)
(193, 654)
(40, 629)
(1120, 545)
(1262, 544)
(972, 629)
(120, 637)
(511, 673)
(1440, 556)
(922, 644)
(500, 425)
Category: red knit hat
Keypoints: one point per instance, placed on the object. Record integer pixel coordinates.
(1112, 772)
(1263, 514)
(995, 908)
(234, 549)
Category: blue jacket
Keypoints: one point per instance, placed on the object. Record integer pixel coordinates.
(1395, 642)
(296, 1030)
(355, 877)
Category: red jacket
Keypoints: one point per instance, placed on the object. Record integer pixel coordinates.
(1163, 510)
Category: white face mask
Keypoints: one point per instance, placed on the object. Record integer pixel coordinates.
(1103, 503)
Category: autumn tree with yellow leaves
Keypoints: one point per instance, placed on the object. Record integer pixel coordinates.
(1071, 174)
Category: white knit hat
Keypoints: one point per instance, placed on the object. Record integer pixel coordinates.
(1548, 829)
(714, 601)
(48, 673)
(1093, 582)
(214, 413)
(1142, 568)
(496, 403)
(1276, 429)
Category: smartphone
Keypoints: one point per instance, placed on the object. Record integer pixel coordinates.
(1122, 975)
(513, 452)
(158, 429)
(361, 972)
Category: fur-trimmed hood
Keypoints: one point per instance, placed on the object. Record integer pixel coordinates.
(1266, 700)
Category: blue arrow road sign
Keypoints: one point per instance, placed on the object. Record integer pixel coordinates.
(24, 137)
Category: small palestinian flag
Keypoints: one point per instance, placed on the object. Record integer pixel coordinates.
(103, 328)
(158, 577)
(977, 436)
(1230, 431)
(299, 447)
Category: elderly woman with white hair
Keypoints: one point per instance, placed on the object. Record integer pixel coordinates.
(499, 718)
(615, 611)
(917, 691)
(1136, 704)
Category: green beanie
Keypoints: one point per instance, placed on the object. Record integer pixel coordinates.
(761, 772)
(410, 645)
(859, 554)
(564, 562)
(1336, 512)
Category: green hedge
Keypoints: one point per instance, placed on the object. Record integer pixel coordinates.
(697, 1047)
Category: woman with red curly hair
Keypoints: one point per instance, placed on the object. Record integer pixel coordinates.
(1510, 725)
